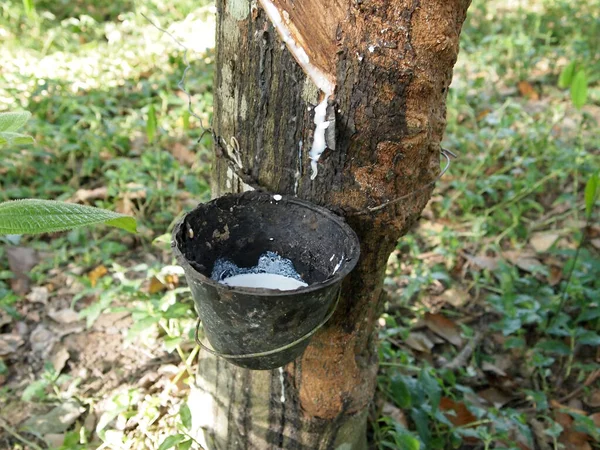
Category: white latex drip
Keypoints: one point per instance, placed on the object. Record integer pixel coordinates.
(319, 144)
(314, 73)
(282, 385)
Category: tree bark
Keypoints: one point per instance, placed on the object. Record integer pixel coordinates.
(391, 62)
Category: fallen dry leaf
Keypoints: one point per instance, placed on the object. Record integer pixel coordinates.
(593, 400)
(9, 343)
(444, 327)
(541, 242)
(523, 260)
(136, 191)
(66, 315)
(596, 419)
(395, 413)
(42, 340)
(5, 319)
(183, 154)
(483, 262)
(489, 367)
(571, 438)
(20, 261)
(527, 90)
(124, 206)
(455, 296)
(557, 406)
(461, 416)
(495, 397)
(575, 440)
(38, 294)
(542, 439)
(84, 195)
(54, 440)
(96, 274)
(90, 421)
(59, 359)
(155, 286)
(57, 420)
(575, 404)
(419, 341)
(483, 114)
(596, 243)
(555, 276)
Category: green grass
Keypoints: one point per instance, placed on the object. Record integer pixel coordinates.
(91, 75)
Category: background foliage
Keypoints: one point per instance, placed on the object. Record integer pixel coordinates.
(490, 335)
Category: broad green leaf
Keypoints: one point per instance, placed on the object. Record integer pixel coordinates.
(186, 119)
(591, 189)
(171, 343)
(141, 325)
(554, 346)
(12, 121)
(10, 137)
(432, 388)
(35, 390)
(171, 441)
(29, 7)
(71, 440)
(422, 424)
(407, 442)
(401, 394)
(588, 337)
(32, 216)
(566, 76)
(185, 445)
(579, 89)
(186, 416)
(151, 124)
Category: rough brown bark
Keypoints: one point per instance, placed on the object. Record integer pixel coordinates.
(392, 62)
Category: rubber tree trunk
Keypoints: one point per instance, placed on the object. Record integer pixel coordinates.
(391, 63)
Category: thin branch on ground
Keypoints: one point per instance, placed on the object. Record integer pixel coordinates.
(10, 430)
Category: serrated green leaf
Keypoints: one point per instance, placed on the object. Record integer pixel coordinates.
(32, 216)
(151, 124)
(579, 89)
(171, 441)
(591, 189)
(13, 121)
(186, 416)
(566, 76)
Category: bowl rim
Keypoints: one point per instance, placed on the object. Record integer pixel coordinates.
(346, 268)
